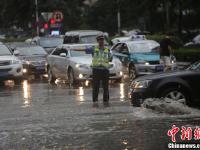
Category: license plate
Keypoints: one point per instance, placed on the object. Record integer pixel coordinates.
(40, 68)
(3, 74)
(159, 68)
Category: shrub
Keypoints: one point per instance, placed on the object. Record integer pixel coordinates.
(187, 54)
(176, 41)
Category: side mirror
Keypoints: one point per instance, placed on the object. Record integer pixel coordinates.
(16, 53)
(63, 55)
(33, 42)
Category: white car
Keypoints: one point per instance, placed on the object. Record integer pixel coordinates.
(10, 66)
(70, 63)
(140, 57)
(128, 38)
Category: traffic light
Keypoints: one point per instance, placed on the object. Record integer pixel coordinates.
(52, 21)
(46, 26)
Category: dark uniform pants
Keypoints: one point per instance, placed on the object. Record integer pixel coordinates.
(98, 76)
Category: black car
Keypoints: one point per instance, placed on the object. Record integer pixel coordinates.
(33, 59)
(182, 86)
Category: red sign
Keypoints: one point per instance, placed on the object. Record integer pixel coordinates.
(46, 26)
(58, 16)
(52, 21)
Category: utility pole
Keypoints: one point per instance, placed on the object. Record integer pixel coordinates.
(167, 15)
(118, 18)
(180, 17)
(36, 17)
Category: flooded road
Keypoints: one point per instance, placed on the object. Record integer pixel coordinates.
(40, 116)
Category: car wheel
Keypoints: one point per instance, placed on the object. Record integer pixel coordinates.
(119, 80)
(38, 76)
(132, 72)
(51, 78)
(71, 76)
(176, 95)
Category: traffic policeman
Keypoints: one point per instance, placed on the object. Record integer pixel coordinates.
(100, 69)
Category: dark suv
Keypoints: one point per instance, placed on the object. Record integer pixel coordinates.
(182, 86)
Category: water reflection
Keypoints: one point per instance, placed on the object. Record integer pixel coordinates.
(122, 92)
(9, 83)
(80, 95)
(26, 93)
(81, 91)
(125, 143)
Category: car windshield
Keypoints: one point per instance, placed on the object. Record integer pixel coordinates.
(75, 53)
(50, 42)
(90, 39)
(143, 47)
(195, 66)
(4, 50)
(24, 51)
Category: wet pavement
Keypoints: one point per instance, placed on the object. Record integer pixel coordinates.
(36, 115)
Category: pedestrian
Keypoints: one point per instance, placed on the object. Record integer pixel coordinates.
(100, 68)
(165, 52)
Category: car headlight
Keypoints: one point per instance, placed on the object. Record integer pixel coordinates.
(81, 66)
(16, 62)
(26, 62)
(142, 62)
(141, 84)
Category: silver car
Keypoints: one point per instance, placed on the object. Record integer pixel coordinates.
(10, 66)
(71, 63)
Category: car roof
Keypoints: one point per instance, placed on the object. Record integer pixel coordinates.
(47, 37)
(21, 44)
(74, 46)
(83, 32)
(139, 41)
(27, 46)
(50, 37)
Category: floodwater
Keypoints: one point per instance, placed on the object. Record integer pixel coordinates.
(36, 115)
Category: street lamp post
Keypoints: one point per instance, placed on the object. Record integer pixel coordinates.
(118, 18)
(167, 15)
(36, 17)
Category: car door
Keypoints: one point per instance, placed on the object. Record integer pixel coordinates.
(55, 62)
(124, 54)
(63, 63)
(116, 50)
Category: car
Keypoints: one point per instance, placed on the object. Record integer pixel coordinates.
(2, 36)
(87, 37)
(181, 86)
(120, 39)
(10, 66)
(127, 38)
(70, 63)
(33, 58)
(49, 43)
(139, 57)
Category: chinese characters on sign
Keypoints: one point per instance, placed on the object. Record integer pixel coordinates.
(186, 133)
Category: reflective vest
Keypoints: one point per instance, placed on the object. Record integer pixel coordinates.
(100, 59)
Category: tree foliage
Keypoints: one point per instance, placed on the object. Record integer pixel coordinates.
(150, 15)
